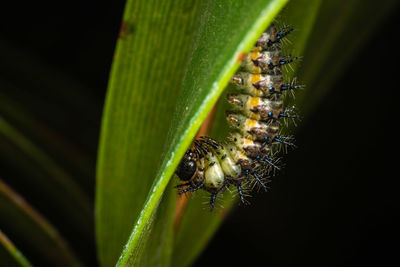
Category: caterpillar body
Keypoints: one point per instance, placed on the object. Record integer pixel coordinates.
(248, 152)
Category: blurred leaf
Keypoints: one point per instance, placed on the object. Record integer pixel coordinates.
(58, 147)
(48, 152)
(49, 94)
(10, 256)
(20, 219)
(55, 186)
(342, 28)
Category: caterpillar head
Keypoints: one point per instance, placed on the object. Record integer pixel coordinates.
(187, 167)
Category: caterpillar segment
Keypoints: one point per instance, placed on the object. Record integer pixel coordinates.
(257, 108)
(270, 39)
(216, 166)
(248, 154)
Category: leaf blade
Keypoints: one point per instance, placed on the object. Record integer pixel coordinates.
(14, 256)
(28, 225)
(144, 84)
(59, 186)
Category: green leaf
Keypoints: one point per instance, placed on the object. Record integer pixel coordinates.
(145, 81)
(156, 245)
(21, 219)
(9, 254)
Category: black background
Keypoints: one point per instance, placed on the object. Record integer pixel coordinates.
(335, 203)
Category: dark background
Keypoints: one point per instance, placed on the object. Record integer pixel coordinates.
(336, 201)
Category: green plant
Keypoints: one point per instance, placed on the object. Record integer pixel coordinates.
(172, 62)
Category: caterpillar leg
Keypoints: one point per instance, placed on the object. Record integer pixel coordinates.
(239, 188)
(287, 115)
(259, 181)
(284, 32)
(247, 175)
(190, 188)
(271, 163)
(197, 188)
(212, 201)
(283, 140)
(287, 60)
(288, 86)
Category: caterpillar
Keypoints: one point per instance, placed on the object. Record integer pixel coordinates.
(248, 154)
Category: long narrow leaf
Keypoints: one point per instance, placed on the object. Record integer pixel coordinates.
(145, 81)
(27, 224)
(56, 186)
(9, 254)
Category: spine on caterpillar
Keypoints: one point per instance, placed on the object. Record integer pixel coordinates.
(248, 154)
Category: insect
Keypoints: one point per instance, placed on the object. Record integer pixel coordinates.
(248, 152)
